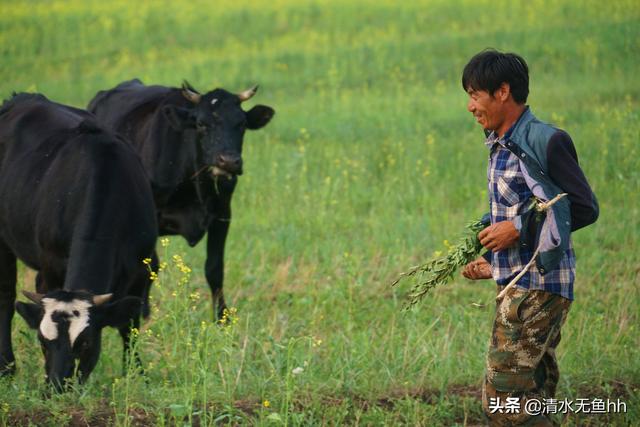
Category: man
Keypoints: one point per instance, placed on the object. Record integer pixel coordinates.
(528, 160)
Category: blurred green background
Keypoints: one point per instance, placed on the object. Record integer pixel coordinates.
(370, 164)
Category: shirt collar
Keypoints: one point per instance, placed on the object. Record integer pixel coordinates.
(492, 139)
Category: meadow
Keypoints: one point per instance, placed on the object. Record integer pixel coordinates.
(371, 165)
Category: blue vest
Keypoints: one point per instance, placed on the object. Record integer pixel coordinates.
(528, 140)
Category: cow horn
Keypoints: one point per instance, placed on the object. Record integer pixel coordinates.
(247, 93)
(101, 299)
(190, 93)
(35, 297)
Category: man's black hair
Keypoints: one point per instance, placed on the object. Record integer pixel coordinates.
(488, 69)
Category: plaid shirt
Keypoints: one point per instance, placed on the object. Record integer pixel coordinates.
(508, 196)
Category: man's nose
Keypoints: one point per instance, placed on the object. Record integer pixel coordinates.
(470, 106)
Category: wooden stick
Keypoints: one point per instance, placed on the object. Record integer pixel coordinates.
(540, 207)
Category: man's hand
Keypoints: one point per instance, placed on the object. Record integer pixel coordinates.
(477, 269)
(499, 236)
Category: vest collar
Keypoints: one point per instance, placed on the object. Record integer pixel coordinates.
(520, 124)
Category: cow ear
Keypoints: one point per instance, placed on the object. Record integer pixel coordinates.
(179, 118)
(119, 313)
(31, 313)
(259, 116)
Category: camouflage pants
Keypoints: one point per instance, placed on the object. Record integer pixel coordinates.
(521, 363)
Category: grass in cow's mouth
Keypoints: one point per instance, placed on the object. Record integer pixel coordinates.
(216, 171)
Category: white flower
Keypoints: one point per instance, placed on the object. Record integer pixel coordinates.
(297, 371)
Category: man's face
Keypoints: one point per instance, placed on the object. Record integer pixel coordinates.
(487, 110)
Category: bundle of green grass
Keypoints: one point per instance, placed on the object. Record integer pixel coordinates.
(440, 270)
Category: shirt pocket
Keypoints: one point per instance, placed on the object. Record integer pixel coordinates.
(508, 194)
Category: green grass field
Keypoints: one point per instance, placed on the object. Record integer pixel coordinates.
(371, 162)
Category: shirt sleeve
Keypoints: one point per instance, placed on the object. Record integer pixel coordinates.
(564, 170)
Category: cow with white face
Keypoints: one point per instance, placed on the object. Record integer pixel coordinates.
(77, 207)
(70, 326)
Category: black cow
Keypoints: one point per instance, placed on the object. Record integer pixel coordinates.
(191, 146)
(76, 205)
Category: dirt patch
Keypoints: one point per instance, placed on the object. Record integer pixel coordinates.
(102, 417)
(105, 415)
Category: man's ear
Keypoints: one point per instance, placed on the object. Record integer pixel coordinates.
(503, 92)
(119, 313)
(31, 313)
(179, 118)
(259, 116)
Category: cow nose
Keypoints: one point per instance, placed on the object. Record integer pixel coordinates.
(229, 162)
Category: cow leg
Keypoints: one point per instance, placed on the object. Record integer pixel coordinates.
(129, 350)
(40, 285)
(214, 267)
(142, 284)
(8, 274)
(48, 279)
(140, 288)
